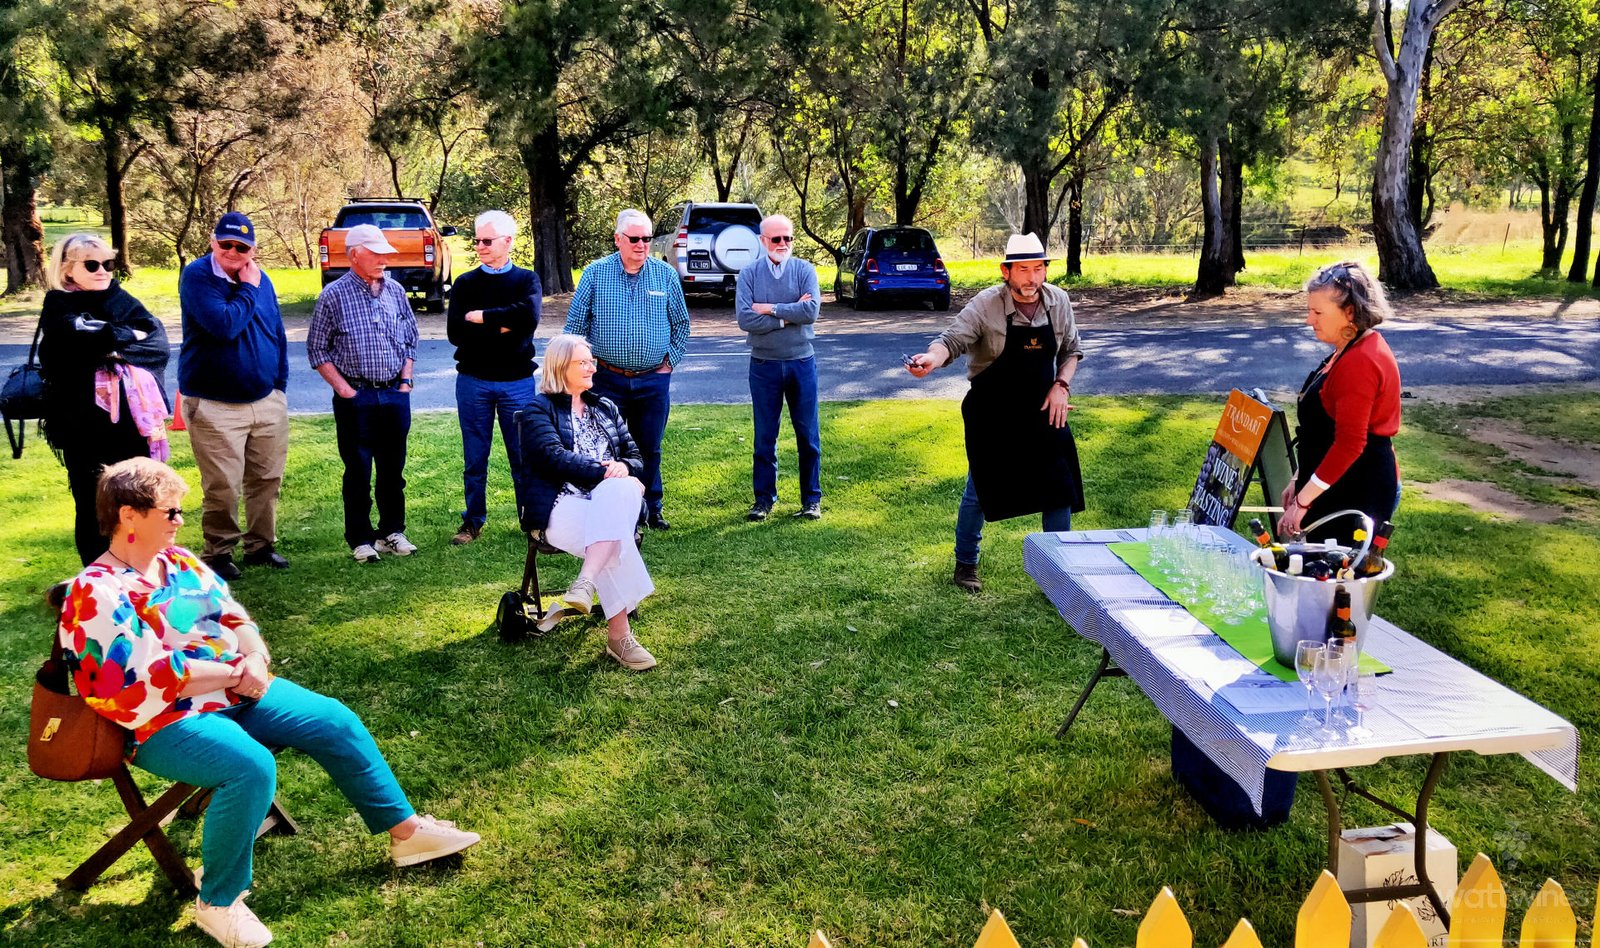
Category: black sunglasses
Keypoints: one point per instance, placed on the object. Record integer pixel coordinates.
(173, 513)
(234, 246)
(93, 266)
(635, 240)
(782, 239)
(485, 241)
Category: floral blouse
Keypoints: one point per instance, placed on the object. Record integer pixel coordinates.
(133, 639)
(589, 440)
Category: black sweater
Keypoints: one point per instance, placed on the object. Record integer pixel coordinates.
(510, 301)
(83, 331)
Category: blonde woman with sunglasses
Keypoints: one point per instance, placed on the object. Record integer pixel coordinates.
(103, 358)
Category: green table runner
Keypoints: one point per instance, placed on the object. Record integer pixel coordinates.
(1250, 637)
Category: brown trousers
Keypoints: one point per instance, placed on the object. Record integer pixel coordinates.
(239, 448)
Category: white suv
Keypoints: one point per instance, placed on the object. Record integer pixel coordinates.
(708, 244)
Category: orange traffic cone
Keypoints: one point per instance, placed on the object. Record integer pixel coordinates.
(177, 414)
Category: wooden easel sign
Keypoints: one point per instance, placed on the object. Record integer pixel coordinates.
(1251, 437)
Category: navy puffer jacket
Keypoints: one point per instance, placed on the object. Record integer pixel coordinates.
(548, 458)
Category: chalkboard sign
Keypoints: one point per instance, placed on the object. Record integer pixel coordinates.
(1251, 436)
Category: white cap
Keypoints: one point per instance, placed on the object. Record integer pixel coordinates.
(368, 236)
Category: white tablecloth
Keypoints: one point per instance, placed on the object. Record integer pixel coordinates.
(1246, 720)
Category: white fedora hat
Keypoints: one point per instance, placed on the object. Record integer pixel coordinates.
(1021, 247)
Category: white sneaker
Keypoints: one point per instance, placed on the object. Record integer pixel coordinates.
(433, 839)
(233, 926)
(396, 544)
(365, 553)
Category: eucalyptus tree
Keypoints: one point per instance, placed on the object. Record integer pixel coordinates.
(25, 146)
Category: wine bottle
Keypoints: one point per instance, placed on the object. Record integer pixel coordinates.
(1374, 562)
(1259, 531)
(1340, 627)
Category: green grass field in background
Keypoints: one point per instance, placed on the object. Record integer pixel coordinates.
(759, 784)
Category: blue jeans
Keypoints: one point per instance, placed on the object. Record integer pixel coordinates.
(372, 429)
(645, 401)
(772, 381)
(478, 404)
(969, 524)
(228, 750)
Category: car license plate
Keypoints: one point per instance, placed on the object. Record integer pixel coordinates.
(905, 266)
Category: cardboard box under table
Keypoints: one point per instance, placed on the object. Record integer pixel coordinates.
(1235, 725)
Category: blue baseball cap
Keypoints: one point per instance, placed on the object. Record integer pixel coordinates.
(235, 226)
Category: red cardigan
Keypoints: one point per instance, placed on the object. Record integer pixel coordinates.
(1362, 396)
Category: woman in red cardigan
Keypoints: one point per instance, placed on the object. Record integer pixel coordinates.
(1349, 409)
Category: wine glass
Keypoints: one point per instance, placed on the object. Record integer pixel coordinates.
(1157, 536)
(1352, 660)
(1306, 652)
(1363, 690)
(1328, 675)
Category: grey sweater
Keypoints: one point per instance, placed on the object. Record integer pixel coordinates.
(786, 334)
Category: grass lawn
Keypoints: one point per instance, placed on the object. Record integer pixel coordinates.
(759, 784)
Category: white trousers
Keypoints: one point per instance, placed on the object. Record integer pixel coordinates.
(610, 513)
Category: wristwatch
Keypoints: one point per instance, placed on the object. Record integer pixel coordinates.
(404, 380)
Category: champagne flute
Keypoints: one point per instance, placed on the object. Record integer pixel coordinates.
(1157, 536)
(1363, 685)
(1306, 652)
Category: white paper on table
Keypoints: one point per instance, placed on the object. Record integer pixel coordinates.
(1094, 536)
(1161, 622)
(1123, 586)
(1263, 695)
(1213, 663)
(1087, 557)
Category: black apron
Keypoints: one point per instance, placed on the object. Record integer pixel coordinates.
(1370, 484)
(1020, 463)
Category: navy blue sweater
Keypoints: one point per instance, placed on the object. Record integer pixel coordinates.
(510, 301)
(234, 347)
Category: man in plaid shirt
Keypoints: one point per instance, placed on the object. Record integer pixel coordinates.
(631, 310)
(363, 342)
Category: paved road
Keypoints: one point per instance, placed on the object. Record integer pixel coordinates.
(1181, 358)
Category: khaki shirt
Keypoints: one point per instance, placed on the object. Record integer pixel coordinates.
(979, 331)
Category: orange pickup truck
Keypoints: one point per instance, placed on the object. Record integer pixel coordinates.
(422, 265)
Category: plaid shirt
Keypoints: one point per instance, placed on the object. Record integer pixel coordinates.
(630, 322)
(366, 337)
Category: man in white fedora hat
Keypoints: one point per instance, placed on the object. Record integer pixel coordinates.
(1022, 350)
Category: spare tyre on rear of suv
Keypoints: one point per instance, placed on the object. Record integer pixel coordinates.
(708, 244)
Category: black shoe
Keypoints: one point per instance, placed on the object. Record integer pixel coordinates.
(759, 511)
(224, 567)
(967, 577)
(657, 522)
(266, 556)
(811, 511)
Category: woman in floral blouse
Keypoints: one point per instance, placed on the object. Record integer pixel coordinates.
(163, 650)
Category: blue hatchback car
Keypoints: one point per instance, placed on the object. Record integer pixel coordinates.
(899, 264)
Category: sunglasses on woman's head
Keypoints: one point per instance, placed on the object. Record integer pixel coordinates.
(93, 266)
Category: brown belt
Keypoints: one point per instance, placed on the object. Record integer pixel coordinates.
(626, 373)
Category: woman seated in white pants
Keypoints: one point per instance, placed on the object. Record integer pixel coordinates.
(584, 492)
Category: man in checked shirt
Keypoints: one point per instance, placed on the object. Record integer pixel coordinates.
(363, 342)
(631, 309)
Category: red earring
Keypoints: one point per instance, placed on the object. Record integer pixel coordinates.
(130, 536)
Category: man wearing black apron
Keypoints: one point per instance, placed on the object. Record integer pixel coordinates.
(1022, 350)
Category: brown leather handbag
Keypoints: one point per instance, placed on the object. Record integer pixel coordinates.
(67, 739)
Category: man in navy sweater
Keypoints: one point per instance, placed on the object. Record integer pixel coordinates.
(494, 311)
(233, 371)
(777, 302)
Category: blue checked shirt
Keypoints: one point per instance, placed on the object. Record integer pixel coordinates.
(630, 322)
(366, 337)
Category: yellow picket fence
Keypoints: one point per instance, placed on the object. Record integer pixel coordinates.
(1477, 920)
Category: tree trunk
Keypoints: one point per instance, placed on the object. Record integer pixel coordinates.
(20, 226)
(1235, 186)
(1555, 202)
(1216, 197)
(1036, 199)
(1075, 223)
(547, 208)
(1591, 183)
(1402, 261)
(111, 147)
(1422, 150)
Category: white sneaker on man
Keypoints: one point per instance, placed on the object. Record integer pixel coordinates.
(396, 544)
(433, 839)
(365, 553)
(233, 926)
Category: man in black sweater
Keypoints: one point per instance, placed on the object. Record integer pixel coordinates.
(494, 311)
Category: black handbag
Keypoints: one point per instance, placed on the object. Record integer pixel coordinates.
(22, 397)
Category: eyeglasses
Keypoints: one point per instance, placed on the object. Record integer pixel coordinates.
(234, 246)
(781, 239)
(635, 240)
(587, 363)
(93, 266)
(486, 241)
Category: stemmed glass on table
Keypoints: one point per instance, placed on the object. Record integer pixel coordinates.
(1362, 685)
(1329, 674)
(1306, 653)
